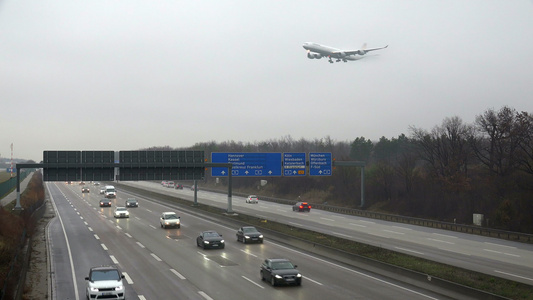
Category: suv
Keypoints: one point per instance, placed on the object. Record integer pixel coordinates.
(169, 219)
(301, 206)
(105, 282)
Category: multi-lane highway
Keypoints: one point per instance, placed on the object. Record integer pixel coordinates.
(501, 258)
(166, 263)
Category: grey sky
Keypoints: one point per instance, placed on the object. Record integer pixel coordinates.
(128, 74)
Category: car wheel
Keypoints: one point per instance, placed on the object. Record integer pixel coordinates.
(179, 226)
(262, 276)
(272, 281)
(243, 240)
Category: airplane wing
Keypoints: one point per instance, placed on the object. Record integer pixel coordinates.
(359, 52)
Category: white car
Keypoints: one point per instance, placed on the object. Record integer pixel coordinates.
(169, 219)
(102, 190)
(105, 282)
(252, 199)
(121, 212)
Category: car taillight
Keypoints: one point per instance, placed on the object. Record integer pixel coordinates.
(309, 206)
(301, 206)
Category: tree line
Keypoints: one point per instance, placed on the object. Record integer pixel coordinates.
(447, 173)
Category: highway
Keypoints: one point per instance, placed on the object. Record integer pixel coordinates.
(166, 263)
(501, 258)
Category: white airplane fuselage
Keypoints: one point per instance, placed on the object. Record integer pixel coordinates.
(317, 51)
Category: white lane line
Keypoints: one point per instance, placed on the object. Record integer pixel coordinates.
(500, 245)
(90, 229)
(445, 235)
(314, 281)
(326, 219)
(400, 227)
(128, 235)
(467, 254)
(441, 241)
(395, 232)
(358, 225)
(141, 297)
(96, 237)
(283, 210)
(86, 224)
(341, 234)
(256, 284)
(493, 251)
(115, 261)
(177, 274)
(141, 245)
(509, 254)
(148, 210)
(369, 222)
(138, 218)
(81, 217)
(205, 295)
(297, 224)
(413, 251)
(249, 253)
(120, 228)
(156, 257)
(153, 227)
(127, 277)
(103, 246)
(514, 275)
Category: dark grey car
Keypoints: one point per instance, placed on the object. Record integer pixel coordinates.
(249, 234)
(210, 239)
(280, 271)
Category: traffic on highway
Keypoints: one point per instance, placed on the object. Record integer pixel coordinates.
(173, 262)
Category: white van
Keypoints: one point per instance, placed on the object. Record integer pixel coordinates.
(110, 191)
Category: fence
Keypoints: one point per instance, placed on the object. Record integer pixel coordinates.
(9, 185)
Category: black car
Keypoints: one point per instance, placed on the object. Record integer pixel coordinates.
(105, 202)
(85, 190)
(131, 202)
(301, 206)
(178, 186)
(210, 239)
(280, 271)
(249, 234)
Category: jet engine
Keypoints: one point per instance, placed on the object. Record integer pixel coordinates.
(313, 55)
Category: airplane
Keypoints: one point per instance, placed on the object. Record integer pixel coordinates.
(317, 51)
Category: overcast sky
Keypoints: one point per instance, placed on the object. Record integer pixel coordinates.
(130, 74)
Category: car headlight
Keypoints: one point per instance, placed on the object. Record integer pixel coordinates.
(206, 242)
(278, 277)
(119, 288)
(93, 289)
(222, 241)
(261, 236)
(247, 237)
(299, 275)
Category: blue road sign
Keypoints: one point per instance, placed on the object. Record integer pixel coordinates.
(247, 164)
(294, 164)
(320, 164)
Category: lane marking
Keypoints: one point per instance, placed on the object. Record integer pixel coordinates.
(369, 222)
(493, 244)
(341, 234)
(326, 219)
(204, 295)
(153, 227)
(90, 229)
(103, 246)
(141, 245)
(141, 297)
(395, 232)
(128, 235)
(114, 259)
(441, 241)
(400, 227)
(248, 253)
(527, 278)
(297, 224)
(127, 277)
(314, 281)
(177, 274)
(357, 225)
(156, 257)
(120, 228)
(408, 250)
(256, 284)
(445, 235)
(96, 237)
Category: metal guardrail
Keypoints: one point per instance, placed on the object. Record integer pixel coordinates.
(483, 231)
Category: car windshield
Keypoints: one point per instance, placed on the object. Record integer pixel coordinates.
(280, 265)
(170, 217)
(121, 208)
(248, 229)
(132, 200)
(104, 275)
(210, 234)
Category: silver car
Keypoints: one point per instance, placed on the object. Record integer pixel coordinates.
(169, 219)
